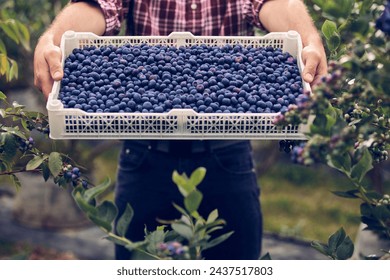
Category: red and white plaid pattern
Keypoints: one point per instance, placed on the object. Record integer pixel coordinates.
(200, 17)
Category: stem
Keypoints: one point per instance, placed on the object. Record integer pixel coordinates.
(21, 116)
(128, 242)
(20, 171)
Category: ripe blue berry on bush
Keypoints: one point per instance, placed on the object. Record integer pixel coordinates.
(207, 79)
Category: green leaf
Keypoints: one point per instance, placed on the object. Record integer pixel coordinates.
(365, 209)
(24, 35)
(193, 200)
(381, 212)
(24, 124)
(185, 219)
(107, 212)
(62, 182)
(319, 124)
(337, 9)
(15, 131)
(183, 230)
(2, 96)
(35, 162)
(322, 248)
(366, 6)
(330, 122)
(99, 222)
(9, 30)
(180, 209)
(55, 163)
(212, 216)
(181, 183)
(329, 28)
(124, 221)
(336, 239)
(178, 179)
(360, 169)
(334, 42)
(347, 194)
(4, 64)
(216, 223)
(340, 162)
(80, 201)
(95, 191)
(13, 71)
(197, 176)
(153, 238)
(217, 241)
(45, 171)
(15, 181)
(374, 195)
(9, 146)
(3, 49)
(345, 249)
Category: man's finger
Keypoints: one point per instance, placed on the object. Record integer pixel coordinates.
(53, 59)
(47, 87)
(310, 69)
(42, 77)
(46, 83)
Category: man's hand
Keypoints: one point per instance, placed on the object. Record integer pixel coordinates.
(79, 17)
(47, 64)
(314, 59)
(285, 15)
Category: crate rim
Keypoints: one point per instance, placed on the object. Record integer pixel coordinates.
(55, 106)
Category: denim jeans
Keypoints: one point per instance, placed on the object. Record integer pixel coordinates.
(230, 185)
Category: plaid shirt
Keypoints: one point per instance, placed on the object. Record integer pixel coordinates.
(200, 17)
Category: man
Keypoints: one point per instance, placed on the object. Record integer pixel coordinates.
(144, 177)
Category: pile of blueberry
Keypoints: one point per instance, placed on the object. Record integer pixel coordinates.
(208, 79)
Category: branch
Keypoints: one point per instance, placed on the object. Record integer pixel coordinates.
(20, 171)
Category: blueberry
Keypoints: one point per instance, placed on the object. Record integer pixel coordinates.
(226, 101)
(71, 103)
(156, 78)
(159, 109)
(176, 101)
(251, 100)
(268, 104)
(137, 97)
(277, 107)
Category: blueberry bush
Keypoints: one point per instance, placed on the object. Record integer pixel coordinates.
(18, 152)
(349, 110)
(184, 238)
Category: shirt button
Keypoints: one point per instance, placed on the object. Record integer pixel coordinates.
(194, 6)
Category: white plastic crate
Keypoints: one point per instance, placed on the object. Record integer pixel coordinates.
(66, 123)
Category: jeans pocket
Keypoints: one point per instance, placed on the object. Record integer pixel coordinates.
(235, 160)
(131, 159)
